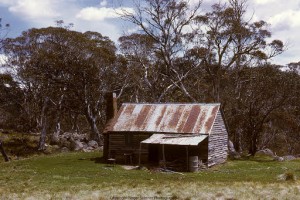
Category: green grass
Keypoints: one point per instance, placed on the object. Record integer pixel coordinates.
(82, 176)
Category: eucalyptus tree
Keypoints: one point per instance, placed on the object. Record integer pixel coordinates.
(266, 94)
(167, 24)
(145, 81)
(62, 71)
(11, 104)
(229, 40)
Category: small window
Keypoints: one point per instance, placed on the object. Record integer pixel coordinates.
(128, 139)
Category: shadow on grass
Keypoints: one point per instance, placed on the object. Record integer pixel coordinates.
(101, 160)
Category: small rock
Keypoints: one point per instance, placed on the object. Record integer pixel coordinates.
(78, 145)
(90, 148)
(86, 150)
(278, 158)
(267, 152)
(289, 157)
(64, 150)
(93, 144)
(84, 145)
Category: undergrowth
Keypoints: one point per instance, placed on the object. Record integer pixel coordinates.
(19, 144)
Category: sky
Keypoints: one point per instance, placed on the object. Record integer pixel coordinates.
(99, 15)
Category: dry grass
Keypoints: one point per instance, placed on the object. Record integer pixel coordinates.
(240, 190)
(81, 176)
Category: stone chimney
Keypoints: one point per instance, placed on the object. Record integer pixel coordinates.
(111, 105)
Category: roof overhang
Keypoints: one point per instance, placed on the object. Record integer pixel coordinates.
(175, 139)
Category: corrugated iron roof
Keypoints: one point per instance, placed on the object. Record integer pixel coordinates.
(165, 118)
(171, 139)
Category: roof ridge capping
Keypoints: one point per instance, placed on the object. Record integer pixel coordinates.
(171, 103)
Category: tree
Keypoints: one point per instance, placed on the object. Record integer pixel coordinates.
(63, 70)
(230, 41)
(6, 159)
(167, 25)
(294, 66)
(265, 91)
(3, 32)
(145, 82)
(11, 104)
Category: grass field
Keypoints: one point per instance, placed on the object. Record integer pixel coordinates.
(82, 176)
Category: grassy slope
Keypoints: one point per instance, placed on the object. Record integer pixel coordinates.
(81, 176)
(18, 144)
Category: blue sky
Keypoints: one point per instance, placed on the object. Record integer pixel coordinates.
(99, 15)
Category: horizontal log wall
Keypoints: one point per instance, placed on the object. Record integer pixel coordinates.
(218, 142)
(117, 146)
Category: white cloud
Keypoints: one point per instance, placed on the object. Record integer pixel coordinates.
(7, 2)
(262, 2)
(93, 13)
(105, 28)
(283, 17)
(43, 13)
(100, 14)
(103, 3)
(33, 9)
(287, 18)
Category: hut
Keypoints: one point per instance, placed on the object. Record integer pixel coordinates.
(168, 134)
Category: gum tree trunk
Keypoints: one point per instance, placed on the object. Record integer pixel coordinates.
(44, 123)
(92, 120)
(55, 136)
(3, 152)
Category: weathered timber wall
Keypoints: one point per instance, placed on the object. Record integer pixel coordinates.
(218, 142)
(105, 146)
(203, 150)
(117, 146)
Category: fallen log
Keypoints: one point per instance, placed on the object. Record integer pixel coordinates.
(6, 159)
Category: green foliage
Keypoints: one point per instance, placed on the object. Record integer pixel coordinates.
(177, 55)
(64, 75)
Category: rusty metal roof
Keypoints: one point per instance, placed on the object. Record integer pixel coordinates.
(175, 139)
(165, 118)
